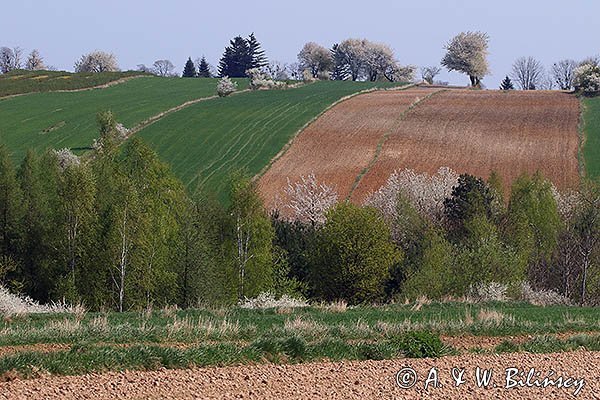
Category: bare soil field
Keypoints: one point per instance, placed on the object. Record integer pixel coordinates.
(477, 132)
(331, 380)
(341, 143)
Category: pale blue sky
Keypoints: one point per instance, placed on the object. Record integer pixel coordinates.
(143, 31)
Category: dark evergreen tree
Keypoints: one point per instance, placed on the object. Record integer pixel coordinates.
(507, 84)
(259, 59)
(340, 68)
(236, 59)
(204, 69)
(189, 71)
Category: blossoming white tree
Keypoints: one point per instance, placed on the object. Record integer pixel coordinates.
(587, 78)
(97, 61)
(467, 53)
(35, 62)
(425, 192)
(226, 86)
(315, 58)
(309, 200)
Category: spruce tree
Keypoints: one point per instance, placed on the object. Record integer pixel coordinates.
(507, 84)
(189, 71)
(204, 69)
(236, 60)
(259, 59)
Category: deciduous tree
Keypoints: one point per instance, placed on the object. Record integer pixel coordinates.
(563, 73)
(97, 61)
(315, 58)
(35, 62)
(528, 72)
(467, 53)
(163, 68)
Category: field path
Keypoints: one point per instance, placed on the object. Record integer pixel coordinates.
(477, 132)
(325, 380)
(341, 143)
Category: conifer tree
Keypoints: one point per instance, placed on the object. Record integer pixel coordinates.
(204, 69)
(259, 60)
(236, 59)
(507, 84)
(189, 71)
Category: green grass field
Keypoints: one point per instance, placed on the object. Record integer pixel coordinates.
(591, 149)
(204, 143)
(171, 338)
(20, 81)
(58, 120)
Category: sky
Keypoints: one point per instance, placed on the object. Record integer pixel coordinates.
(140, 32)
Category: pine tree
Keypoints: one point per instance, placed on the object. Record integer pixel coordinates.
(189, 71)
(259, 60)
(236, 59)
(204, 69)
(507, 84)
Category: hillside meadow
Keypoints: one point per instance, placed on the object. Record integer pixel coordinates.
(62, 119)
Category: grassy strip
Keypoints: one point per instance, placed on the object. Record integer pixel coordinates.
(591, 140)
(85, 358)
(550, 344)
(312, 323)
(23, 82)
(384, 138)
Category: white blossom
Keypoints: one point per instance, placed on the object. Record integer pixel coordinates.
(425, 192)
(587, 78)
(97, 61)
(309, 200)
(226, 86)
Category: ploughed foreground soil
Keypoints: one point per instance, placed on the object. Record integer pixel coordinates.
(330, 380)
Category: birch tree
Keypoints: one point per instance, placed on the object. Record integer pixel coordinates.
(253, 237)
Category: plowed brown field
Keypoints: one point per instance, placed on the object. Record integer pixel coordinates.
(330, 380)
(341, 143)
(469, 131)
(477, 132)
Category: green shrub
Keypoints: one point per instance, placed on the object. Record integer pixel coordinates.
(353, 255)
(420, 345)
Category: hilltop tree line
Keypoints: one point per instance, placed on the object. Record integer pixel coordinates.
(351, 59)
